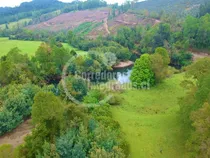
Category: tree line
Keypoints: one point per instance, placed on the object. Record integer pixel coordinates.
(32, 87)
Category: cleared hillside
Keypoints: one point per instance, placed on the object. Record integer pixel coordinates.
(72, 20)
(92, 22)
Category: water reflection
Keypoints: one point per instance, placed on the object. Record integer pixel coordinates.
(123, 75)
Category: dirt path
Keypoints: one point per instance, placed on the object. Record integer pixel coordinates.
(197, 56)
(16, 137)
(106, 26)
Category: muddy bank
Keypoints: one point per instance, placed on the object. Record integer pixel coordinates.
(124, 64)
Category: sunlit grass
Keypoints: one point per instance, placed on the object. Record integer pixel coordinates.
(150, 121)
(26, 47)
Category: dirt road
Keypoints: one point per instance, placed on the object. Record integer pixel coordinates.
(16, 137)
(106, 26)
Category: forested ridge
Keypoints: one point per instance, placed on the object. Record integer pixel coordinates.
(36, 8)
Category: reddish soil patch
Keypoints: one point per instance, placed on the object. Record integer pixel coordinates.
(126, 19)
(69, 21)
(130, 20)
(16, 137)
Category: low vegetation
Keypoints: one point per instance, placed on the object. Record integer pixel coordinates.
(150, 120)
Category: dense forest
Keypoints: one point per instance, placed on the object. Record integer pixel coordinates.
(75, 115)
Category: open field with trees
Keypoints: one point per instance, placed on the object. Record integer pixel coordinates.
(27, 47)
(151, 121)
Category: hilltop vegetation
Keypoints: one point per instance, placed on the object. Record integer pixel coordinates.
(61, 16)
(179, 7)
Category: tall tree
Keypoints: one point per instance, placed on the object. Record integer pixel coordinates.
(142, 74)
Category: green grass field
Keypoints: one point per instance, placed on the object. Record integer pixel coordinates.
(149, 119)
(26, 47)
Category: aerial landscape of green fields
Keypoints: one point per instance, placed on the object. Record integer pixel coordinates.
(101, 79)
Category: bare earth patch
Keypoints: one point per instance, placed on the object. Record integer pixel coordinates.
(123, 64)
(71, 20)
(198, 54)
(16, 137)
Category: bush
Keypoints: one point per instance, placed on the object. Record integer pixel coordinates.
(115, 100)
(94, 96)
(77, 87)
(14, 111)
(102, 111)
(6, 151)
(17, 104)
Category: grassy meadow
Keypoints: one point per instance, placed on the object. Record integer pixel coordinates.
(26, 47)
(149, 119)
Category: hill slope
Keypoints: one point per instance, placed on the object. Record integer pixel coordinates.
(170, 6)
(92, 22)
(72, 20)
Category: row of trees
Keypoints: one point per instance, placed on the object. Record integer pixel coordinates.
(150, 69)
(45, 67)
(197, 30)
(204, 9)
(195, 108)
(61, 129)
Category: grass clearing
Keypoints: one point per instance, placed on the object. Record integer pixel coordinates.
(150, 121)
(20, 23)
(86, 27)
(26, 47)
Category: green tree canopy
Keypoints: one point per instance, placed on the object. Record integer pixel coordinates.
(142, 72)
(46, 107)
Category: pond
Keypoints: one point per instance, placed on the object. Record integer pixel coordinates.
(123, 74)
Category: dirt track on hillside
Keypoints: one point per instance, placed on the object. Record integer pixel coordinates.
(106, 26)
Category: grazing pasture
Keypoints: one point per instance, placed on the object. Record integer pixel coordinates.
(150, 120)
(26, 47)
